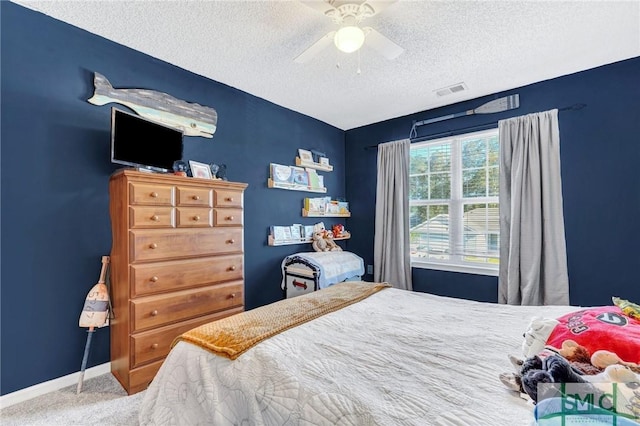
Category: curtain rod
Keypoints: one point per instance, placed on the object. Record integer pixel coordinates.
(574, 107)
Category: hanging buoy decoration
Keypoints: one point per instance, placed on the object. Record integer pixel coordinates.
(95, 313)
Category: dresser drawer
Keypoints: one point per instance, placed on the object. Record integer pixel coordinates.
(194, 217)
(227, 217)
(155, 344)
(150, 278)
(151, 217)
(150, 194)
(193, 196)
(140, 378)
(154, 311)
(227, 198)
(156, 244)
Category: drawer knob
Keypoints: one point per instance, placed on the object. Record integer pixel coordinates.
(196, 197)
(154, 195)
(154, 346)
(154, 313)
(154, 279)
(231, 241)
(232, 267)
(230, 199)
(232, 296)
(196, 218)
(153, 246)
(155, 218)
(229, 218)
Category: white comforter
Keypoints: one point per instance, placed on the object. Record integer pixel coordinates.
(396, 358)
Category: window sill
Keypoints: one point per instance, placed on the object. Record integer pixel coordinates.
(478, 270)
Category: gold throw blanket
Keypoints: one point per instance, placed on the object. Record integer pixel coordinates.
(232, 336)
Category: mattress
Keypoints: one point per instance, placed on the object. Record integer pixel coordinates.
(394, 358)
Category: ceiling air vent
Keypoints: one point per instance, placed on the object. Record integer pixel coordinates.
(459, 87)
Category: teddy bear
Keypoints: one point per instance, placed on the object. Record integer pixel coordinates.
(319, 243)
(328, 237)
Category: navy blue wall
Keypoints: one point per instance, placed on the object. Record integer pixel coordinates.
(56, 168)
(600, 159)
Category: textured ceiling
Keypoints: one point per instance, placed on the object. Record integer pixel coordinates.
(491, 46)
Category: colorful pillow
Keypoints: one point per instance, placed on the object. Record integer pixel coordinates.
(601, 328)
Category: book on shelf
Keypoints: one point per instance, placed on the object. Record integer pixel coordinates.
(278, 233)
(281, 173)
(308, 232)
(300, 176)
(331, 207)
(295, 231)
(314, 179)
(320, 181)
(287, 232)
(316, 205)
(343, 207)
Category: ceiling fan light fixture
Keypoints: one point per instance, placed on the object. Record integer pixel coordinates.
(348, 39)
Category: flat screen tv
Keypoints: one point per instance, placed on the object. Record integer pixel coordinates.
(139, 142)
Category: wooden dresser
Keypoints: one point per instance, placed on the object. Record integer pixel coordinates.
(176, 263)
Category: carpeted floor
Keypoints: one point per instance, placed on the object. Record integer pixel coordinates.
(102, 402)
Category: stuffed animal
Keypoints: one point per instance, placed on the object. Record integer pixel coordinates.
(337, 229)
(319, 243)
(604, 359)
(535, 337)
(552, 369)
(328, 237)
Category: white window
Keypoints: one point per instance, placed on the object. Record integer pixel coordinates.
(453, 203)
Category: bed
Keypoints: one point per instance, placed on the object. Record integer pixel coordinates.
(393, 358)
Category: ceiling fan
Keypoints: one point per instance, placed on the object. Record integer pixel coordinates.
(350, 37)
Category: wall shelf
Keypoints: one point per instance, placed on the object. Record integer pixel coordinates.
(295, 187)
(317, 166)
(307, 213)
(272, 242)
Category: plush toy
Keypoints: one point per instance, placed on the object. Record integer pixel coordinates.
(337, 229)
(628, 308)
(552, 369)
(535, 337)
(318, 241)
(604, 359)
(572, 363)
(328, 237)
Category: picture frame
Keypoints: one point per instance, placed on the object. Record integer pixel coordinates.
(324, 161)
(200, 170)
(305, 156)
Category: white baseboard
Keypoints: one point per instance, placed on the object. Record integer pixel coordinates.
(52, 385)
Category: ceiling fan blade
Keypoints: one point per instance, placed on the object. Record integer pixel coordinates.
(315, 48)
(382, 44)
(320, 5)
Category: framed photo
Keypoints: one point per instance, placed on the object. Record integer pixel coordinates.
(200, 170)
(305, 156)
(324, 161)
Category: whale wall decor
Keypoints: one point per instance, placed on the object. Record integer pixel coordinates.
(190, 118)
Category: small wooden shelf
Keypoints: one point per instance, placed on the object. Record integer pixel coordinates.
(307, 213)
(273, 242)
(295, 187)
(316, 166)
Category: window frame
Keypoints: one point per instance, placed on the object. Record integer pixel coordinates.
(456, 204)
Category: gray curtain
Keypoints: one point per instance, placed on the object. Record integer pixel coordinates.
(533, 260)
(391, 257)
